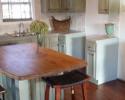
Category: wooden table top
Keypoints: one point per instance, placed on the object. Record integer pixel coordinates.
(24, 62)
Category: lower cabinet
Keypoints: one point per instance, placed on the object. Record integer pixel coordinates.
(52, 41)
(72, 43)
(102, 59)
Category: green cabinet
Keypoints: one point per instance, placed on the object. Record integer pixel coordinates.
(77, 5)
(103, 6)
(53, 5)
(66, 5)
(57, 5)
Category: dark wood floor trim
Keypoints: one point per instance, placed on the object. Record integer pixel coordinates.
(121, 80)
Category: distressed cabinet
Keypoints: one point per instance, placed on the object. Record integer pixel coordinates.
(77, 5)
(103, 6)
(57, 5)
(66, 5)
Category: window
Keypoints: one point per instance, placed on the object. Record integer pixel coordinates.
(16, 10)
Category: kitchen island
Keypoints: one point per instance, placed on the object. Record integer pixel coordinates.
(23, 65)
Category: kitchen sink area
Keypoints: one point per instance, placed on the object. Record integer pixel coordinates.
(8, 39)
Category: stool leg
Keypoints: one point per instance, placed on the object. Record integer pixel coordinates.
(47, 92)
(83, 86)
(73, 93)
(57, 93)
(3, 96)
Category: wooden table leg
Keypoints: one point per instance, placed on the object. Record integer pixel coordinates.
(73, 93)
(47, 92)
(84, 92)
(57, 93)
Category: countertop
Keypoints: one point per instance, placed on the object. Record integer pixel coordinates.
(25, 61)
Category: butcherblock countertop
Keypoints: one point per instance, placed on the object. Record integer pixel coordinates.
(24, 62)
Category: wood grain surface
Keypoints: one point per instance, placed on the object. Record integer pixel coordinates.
(24, 62)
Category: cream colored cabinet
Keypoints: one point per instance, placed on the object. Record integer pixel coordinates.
(53, 5)
(77, 5)
(66, 5)
(103, 6)
(57, 5)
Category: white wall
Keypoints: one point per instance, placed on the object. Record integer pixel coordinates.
(94, 22)
(122, 42)
(77, 19)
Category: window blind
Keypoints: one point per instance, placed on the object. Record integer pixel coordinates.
(16, 10)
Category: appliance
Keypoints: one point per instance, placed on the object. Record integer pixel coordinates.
(102, 58)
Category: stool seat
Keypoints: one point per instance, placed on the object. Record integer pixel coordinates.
(67, 79)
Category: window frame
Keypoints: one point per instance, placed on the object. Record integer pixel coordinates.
(17, 19)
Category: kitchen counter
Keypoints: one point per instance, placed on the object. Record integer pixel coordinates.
(10, 39)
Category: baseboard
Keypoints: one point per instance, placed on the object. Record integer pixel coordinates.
(121, 80)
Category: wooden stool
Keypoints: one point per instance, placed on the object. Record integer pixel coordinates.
(64, 81)
(2, 92)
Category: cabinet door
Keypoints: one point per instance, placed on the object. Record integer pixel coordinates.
(52, 42)
(77, 5)
(103, 6)
(65, 5)
(58, 5)
(91, 69)
(54, 5)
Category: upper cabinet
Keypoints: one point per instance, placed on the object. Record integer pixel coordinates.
(57, 5)
(77, 5)
(103, 6)
(66, 5)
(110, 7)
